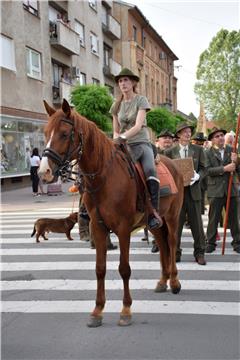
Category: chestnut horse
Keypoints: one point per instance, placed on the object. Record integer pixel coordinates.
(110, 196)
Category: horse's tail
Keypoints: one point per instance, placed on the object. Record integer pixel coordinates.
(34, 231)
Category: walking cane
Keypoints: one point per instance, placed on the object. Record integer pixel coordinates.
(229, 189)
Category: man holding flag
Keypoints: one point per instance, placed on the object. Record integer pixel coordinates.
(221, 163)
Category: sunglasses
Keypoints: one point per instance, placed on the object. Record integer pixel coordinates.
(218, 136)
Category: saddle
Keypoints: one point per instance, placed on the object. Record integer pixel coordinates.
(167, 183)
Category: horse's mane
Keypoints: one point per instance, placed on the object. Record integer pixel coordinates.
(95, 141)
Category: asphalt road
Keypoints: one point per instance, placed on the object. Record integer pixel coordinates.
(48, 291)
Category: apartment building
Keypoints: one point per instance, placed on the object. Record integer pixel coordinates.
(47, 47)
(145, 52)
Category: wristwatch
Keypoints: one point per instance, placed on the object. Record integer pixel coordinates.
(123, 137)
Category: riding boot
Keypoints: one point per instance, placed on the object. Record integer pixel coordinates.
(154, 220)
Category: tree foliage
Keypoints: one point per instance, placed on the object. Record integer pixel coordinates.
(160, 118)
(93, 102)
(218, 76)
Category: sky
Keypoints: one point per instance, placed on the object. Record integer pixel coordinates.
(188, 28)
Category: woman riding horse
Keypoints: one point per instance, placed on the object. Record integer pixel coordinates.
(110, 195)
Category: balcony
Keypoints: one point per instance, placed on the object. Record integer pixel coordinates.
(112, 29)
(61, 92)
(139, 55)
(112, 69)
(63, 38)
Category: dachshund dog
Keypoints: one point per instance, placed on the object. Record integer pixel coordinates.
(65, 225)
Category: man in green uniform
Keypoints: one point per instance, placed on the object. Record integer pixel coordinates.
(221, 162)
(192, 193)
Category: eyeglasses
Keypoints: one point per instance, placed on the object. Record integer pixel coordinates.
(218, 136)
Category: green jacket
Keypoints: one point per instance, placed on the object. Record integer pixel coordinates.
(199, 162)
(217, 178)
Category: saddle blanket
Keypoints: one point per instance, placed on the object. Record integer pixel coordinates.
(167, 183)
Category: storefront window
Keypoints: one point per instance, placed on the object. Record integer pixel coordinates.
(18, 138)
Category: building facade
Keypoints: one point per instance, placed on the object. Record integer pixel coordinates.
(49, 46)
(145, 52)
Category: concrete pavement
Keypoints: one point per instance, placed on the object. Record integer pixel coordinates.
(23, 199)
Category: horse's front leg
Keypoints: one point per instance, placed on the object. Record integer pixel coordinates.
(99, 235)
(125, 272)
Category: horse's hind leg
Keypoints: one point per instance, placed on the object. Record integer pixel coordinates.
(125, 272)
(100, 240)
(172, 241)
(161, 238)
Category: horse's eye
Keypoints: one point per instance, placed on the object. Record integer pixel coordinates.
(64, 136)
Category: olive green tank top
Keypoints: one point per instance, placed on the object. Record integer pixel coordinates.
(127, 115)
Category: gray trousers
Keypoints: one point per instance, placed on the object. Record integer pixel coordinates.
(215, 211)
(192, 208)
(143, 153)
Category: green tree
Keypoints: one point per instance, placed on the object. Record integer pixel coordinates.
(93, 102)
(218, 76)
(160, 118)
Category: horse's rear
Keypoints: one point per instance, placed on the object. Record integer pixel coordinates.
(166, 236)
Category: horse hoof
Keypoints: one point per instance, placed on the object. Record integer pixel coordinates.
(125, 320)
(161, 288)
(176, 290)
(94, 322)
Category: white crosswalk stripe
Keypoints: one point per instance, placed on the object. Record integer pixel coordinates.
(58, 266)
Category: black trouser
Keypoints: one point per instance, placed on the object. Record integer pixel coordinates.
(192, 208)
(214, 216)
(34, 178)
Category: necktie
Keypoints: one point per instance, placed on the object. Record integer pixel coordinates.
(185, 152)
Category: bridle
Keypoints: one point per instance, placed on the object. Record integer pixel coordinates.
(64, 164)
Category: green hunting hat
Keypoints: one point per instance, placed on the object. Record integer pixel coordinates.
(128, 73)
(199, 136)
(182, 126)
(165, 132)
(214, 131)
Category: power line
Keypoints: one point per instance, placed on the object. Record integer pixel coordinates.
(185, 16)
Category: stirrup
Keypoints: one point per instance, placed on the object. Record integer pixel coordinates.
(154, 222)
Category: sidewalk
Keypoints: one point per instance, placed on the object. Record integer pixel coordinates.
(22, 199)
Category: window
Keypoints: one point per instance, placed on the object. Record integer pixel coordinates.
(94, 43)
(143, 39)
(57, 72)
(104, 15)
(93, 4)
(31, 6)
(79, 28)
(82, 79)
(106, 54)
(33, 64)
(134, 33)
(7, 57)
(95, 81)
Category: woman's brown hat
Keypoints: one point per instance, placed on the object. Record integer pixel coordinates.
(126, 72)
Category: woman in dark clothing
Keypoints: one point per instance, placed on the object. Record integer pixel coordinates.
(35, 162)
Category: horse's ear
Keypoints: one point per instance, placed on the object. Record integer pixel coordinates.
(66, 108)
(48, 108)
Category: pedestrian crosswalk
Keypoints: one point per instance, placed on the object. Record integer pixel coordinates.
(58, 275)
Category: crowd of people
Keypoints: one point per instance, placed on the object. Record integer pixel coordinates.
(213, 162)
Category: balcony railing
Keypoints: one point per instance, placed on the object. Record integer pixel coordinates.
(112, 29)
(112, 69)
(139, 54)
(64, 38)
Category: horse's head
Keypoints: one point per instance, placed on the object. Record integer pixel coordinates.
(60, 139)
